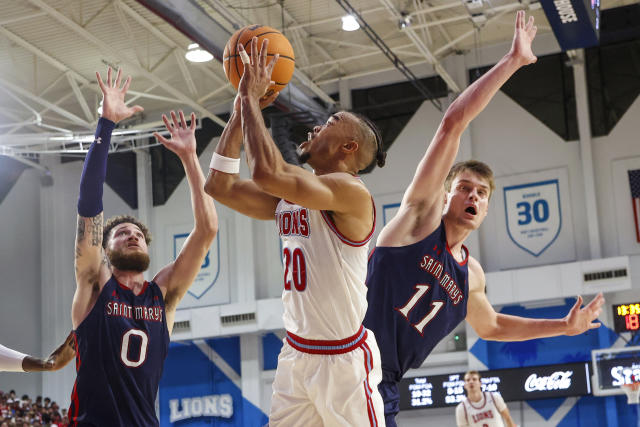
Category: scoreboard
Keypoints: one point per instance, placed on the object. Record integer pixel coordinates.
(517, 384)
(626, 317)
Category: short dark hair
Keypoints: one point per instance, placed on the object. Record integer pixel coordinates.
(372, 136)
(479, 168)
(121, 219)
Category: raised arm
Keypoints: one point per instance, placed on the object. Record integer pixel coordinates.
(176, 278)
(242, 195)
(91, 267)
(423, 198)
(336, 192)
(493, 326)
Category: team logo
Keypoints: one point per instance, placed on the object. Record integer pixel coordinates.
(210, 269)
(533, 215)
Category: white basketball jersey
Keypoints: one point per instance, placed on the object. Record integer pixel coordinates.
(485, 413)
(325, 297)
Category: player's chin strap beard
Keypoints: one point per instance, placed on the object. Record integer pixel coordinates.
(138, 262)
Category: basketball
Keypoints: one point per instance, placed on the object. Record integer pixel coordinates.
(278, 43)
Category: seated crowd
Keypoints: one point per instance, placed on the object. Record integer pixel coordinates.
(23, 412)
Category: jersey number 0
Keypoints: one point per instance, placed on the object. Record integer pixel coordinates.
(124, 350)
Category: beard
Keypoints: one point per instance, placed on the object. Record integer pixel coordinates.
(137, 261)
(303, 157)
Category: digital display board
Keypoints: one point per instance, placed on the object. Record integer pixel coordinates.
(626, 317)
(615, 372)
(518, 384)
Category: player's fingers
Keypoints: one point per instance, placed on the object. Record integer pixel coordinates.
(244, 58)
(100, 82)
(161, 139)
(137, 108)
(263, 52)
(529, 24)
(165, 119)
(175, 119)
(272, 63)
(118, 75)
(254, 50)
(126, 85)
(109, 76)
(183, 122)
(533, 31)
(595, 325)
(193, 121)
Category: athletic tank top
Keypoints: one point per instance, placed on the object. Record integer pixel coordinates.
(417, 295)
(324, 293)
(121, 347)
(484, 413)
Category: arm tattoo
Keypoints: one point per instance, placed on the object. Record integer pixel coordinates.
(80, 230)
(96, 230)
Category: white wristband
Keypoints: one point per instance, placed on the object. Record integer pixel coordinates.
(224, 164)
(10, 360)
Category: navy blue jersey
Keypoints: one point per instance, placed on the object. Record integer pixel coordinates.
(121, 347)
(417, 294)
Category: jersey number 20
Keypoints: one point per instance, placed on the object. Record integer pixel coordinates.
(294, 262)
(435, 308)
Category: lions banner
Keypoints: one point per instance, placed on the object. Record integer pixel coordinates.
(533, 219)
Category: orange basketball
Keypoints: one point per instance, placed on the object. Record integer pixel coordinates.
(278, 43)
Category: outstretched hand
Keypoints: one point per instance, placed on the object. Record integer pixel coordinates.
(580, 320)
(113, 106)
(183, 137)
(522, 39)
(256, 78)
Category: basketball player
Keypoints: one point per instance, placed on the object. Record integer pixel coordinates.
(328, 369)
(422, 280)
(481, 408)
(122, 322)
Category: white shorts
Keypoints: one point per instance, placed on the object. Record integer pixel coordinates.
(328, 383)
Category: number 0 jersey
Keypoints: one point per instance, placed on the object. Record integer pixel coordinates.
(417, 294)
(121, 347)
(324, 293)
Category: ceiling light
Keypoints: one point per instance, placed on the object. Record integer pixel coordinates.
(196, 54)
(405, 21)
(100, 108)
(349, 23)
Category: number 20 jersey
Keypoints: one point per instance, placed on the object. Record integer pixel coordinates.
(417, 294)
(324, 293)
(120, 350)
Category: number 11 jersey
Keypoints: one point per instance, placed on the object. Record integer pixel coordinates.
(417, 294)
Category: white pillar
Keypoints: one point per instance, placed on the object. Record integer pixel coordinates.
(145, 199)
(586, 154)
(251, 367)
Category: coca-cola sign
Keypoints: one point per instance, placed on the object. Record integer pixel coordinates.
(559, 380)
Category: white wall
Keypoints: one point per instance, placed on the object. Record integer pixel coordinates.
(20, 305)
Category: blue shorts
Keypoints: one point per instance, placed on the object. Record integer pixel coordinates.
(391, 398)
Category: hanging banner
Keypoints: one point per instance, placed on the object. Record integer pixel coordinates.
(533, 219)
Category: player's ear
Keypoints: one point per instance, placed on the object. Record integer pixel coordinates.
(351, 146)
